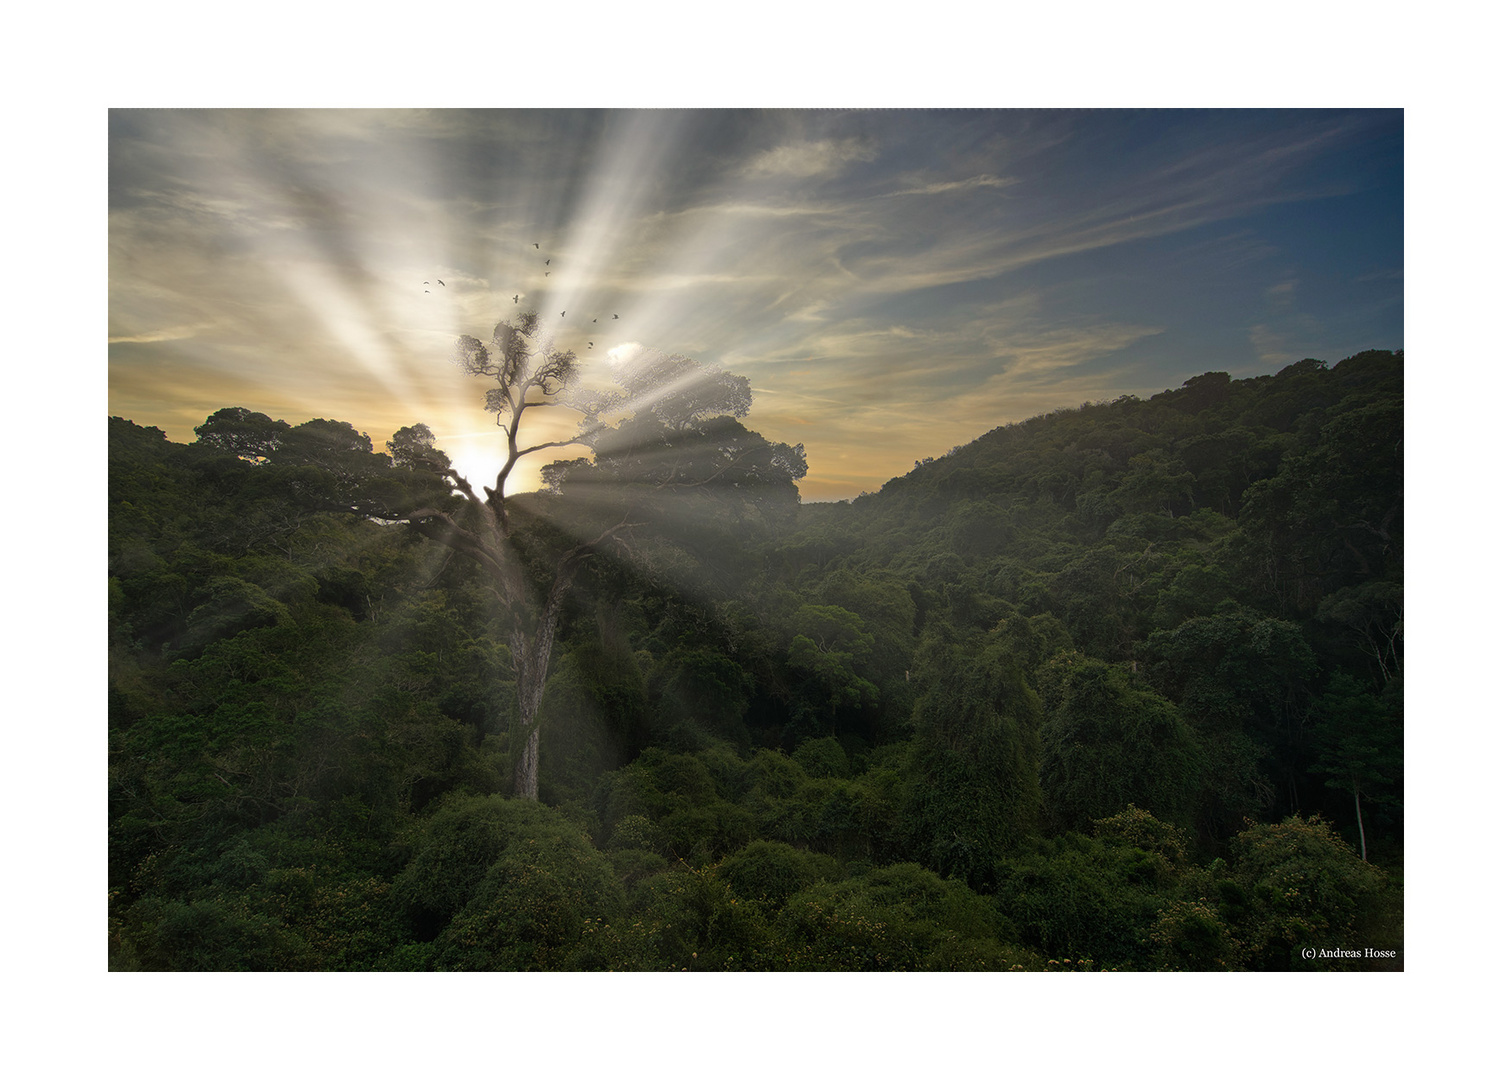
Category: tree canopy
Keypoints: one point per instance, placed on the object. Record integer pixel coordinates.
(1120, 686)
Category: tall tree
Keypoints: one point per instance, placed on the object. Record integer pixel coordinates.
(973, 791)
(651, 411)
(1359, 743)
(1109, 743)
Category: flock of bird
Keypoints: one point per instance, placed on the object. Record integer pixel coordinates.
(517, 295)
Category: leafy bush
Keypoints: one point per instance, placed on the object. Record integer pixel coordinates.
(1306, 888)
(1109, 743)
(972, 789)
(503, 884)
(1081, 898)
(770, 871)
(681, 920)
(822, 757)
(896, 918)
(529, 911)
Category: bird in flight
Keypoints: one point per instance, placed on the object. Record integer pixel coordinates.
(616, 316)
(440, 282)
(548, 262)
(548, 273)
(590, 344)
(538, 247)
(564, 314)
(517, 298)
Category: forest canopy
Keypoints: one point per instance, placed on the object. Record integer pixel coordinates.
(1115, 687)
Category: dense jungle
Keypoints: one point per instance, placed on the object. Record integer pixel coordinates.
(1113, 688)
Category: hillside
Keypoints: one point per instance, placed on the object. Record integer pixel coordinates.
(1003, 713)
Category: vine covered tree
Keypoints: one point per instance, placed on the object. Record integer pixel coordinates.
(670, 415)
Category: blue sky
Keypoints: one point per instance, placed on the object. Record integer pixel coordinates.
(893, 282)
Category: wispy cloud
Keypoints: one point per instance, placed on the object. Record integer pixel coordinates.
(944, 187)
(1282, 294)
(810, 159)
(167, 333)
(1274, 348)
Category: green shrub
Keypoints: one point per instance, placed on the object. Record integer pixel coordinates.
(822, 757)
(1082, 899)
(769, 871)
(1108, 742)
(220, 934)
(681, 920)
(1306, 888)
(529, 911)
(503, 884)
(896, 918)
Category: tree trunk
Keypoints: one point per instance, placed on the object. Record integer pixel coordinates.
(528, 768)
(1360, 821)
(531, 678)
(532, 662)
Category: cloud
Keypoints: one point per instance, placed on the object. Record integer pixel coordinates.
(946, 186)
(1274, 348)
(167, 333)
(748, 208)
(1048, 351)
(1282, 293)
(809, 159)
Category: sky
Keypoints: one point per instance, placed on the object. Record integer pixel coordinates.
(892, 282)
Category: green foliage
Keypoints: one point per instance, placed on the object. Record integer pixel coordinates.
(1090, 604)
(1029, 642)
(1193, 935)
(1155, 483)
(269, 900)
(1242, 679)
(687, 815)
(1334, 512)
(972, 784)
(1083, 899)
(1136, 828)
(695, 481)
(682, 920)
(244, 433)
(415, 447)
(1109, 743)
(529, 912)
(1305, 889)
(203, 935)
(1373, 613)
(770, 871)
(503, 884)
(1358, 735)
(895, 918)
(1234, 668)
(450, 853)
(979, 529)
(595, 708)
(822, 757)
(701, 696)
(310, 714)
(831, 649)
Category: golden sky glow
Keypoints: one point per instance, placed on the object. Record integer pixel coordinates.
(893, 283)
